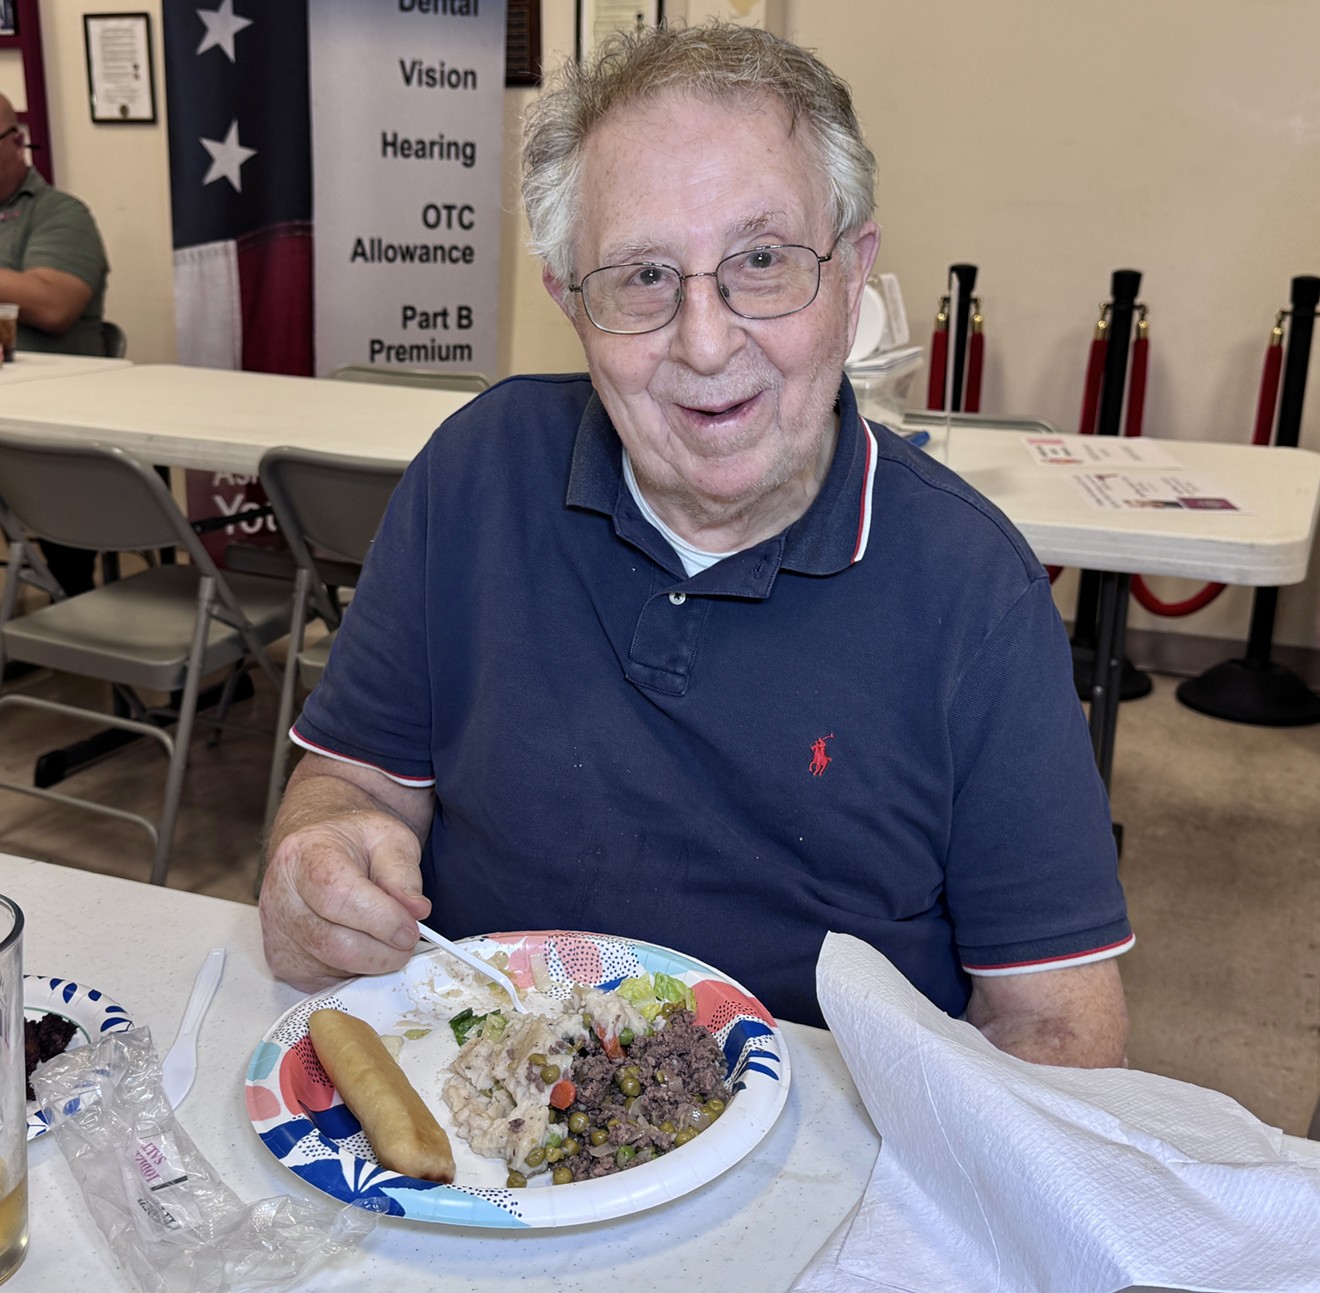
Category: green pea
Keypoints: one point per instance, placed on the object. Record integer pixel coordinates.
(578, 1122)
(685, 1135)
(562, 1175)
(536, 1156)
(624, 1155)
(536, 1059)
(554, 1153)
(570, 1147)
(631, 1087)
(714, 1106)
(626, 1036)
(516, 1180)
(598, 1136)
(667, 1127)
(550, 1074)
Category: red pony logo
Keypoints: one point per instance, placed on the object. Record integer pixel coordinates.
(819, 759)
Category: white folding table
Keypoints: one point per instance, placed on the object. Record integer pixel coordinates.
(223, 420)
(1265, 543)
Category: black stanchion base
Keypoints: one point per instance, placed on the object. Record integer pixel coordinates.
(1241, 692)
(1132, 686)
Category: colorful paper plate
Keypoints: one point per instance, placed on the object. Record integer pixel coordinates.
(301, 1120)
(94, 1013)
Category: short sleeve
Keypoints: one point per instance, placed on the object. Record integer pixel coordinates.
(1032, 872)
(66, 238)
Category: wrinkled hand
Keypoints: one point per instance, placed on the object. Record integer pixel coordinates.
(341, 898)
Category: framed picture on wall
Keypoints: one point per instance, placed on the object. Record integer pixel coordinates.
(120, 80)
(8, 18)
(596, 19)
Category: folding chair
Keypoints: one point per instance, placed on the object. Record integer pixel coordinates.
(163, 629)
(328, 508)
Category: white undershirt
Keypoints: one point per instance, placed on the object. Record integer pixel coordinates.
(694, 560)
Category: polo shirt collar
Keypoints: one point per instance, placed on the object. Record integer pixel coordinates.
(830, 536)
(31, 184)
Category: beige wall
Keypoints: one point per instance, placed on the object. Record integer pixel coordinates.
(1049, 144)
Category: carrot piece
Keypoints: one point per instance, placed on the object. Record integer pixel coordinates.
(563, 1093)
(610, 1044)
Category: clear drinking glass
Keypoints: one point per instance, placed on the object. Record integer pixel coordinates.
(13, 1094)
(8, 329)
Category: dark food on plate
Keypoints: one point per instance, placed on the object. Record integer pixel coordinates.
(43, 1039)
(665, 1088)
(402, 1130)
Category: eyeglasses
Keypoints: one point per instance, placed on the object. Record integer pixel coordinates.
(763, 283)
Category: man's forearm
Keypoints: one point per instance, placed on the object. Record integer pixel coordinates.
(1074, 1016)
(48, 299)
(321, 789)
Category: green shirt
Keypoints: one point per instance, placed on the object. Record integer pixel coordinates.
(42, 228)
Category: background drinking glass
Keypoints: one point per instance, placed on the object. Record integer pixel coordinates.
(8, 329)
(13, 1094)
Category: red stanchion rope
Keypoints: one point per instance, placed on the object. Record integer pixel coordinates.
(939, 356)
(1136, 408)
(1095, 371)
(1266, 407)
(975, 361)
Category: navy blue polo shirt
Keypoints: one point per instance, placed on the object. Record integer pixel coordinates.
(866, 723)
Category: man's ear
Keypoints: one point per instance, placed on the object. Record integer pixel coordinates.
(559, 290)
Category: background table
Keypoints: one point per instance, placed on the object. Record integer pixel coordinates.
(223, 420)
(754, 1227)
(1266, 543)
(36, 365)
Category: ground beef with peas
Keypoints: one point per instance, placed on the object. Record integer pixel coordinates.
(680, 1072)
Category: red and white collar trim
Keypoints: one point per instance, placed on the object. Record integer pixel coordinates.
(866, 506)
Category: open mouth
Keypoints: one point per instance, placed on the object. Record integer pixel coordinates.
(715, 414)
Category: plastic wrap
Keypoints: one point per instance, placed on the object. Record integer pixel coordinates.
(172, 1225)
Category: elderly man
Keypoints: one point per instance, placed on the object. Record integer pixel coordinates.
(688, 651)
(52, 261)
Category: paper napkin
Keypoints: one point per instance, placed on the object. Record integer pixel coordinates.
(999, 1176)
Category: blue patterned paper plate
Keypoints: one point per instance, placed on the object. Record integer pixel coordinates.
(94, 1013)
(301, 1120)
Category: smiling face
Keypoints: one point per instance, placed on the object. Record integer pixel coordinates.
(729, 422)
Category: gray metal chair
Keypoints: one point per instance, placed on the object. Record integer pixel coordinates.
(163, 629)
(328, 508)
(114, 339)
(435, 380)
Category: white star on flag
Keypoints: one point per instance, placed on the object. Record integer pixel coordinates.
(222, 25)
(227, 156)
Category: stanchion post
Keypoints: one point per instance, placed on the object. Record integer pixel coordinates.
(1124, 286)
(1254, 689)
(966, 276)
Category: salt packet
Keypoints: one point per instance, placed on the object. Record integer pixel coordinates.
(172, 1224)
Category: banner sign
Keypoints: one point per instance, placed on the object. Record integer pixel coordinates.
(407, 137)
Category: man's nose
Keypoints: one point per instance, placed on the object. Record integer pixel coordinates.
(706, 331)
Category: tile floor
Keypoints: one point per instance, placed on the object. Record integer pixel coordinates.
(1221, 863)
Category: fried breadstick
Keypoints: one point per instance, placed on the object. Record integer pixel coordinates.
(401, 1129)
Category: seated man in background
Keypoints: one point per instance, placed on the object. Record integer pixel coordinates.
(53, 267)
(687, 651)
(52, 260)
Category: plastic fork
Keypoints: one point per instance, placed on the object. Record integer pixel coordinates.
(470, 958)
(180, 1065)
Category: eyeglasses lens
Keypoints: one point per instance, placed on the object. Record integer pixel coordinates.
(764, 283)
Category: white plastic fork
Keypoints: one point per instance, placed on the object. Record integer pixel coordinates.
(469, 958)
(180, 1065)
